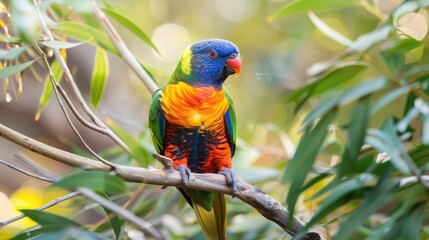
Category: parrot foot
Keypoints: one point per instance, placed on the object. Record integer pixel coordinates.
(230, 179)
(185, 173)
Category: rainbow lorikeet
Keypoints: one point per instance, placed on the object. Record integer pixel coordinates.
(192, 121)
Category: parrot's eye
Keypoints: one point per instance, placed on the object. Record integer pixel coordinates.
(234, 55)
(212, 54)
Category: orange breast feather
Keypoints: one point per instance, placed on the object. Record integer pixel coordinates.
(189, 106)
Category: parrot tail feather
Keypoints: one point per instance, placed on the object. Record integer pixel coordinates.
(212, 222)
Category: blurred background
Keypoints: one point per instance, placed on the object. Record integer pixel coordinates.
(275, 54)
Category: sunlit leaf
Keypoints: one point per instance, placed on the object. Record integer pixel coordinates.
(88, 34)
(298, 6)
(60, 44)
(130, 26)
(99, 77)
(9, 71)
(139, 153)
(48, 89)
(328, 31)
(95, 180)
(302, 162)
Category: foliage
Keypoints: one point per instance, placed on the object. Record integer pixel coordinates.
(375, 160)
(362, 164)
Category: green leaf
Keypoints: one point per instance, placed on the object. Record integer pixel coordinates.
(95, 180)
(390, 97)
(49, 219)
(413, 222)
(9, 71)
(340, 195)
(60, 44)
(303, 159)
(298, 6)
(115, 222)
(99, 77)
(139, 153)
(12, 54)
(88, 34)
(425, 131)
(386, 140)
(365, 41)
(355, 136)
(348, 96)
(376, 198)
(328, 31)
(48, 90)
(131, 26)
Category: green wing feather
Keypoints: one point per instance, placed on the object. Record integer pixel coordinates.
(157, 122)
(231, 123)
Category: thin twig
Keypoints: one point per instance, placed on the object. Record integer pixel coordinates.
(123, 50)
(70, 122)
(35, 167)
(72, 84)
(133, 200)
(263, 203)
(144, 226)
(48, 205)
(76, 112)
(28, 173)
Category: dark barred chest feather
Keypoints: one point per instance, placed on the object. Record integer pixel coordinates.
(202, 146)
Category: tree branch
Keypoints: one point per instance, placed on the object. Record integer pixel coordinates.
(48, 205)
(123, 50)
(263, 203)
(55, 85)
(72, 84)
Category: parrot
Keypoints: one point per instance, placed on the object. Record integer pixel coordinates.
(192, 121)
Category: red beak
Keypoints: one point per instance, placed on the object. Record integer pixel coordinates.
(235, 64)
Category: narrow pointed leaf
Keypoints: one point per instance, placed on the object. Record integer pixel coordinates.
(375, 199)
(328, 31)
(390, 97)
(88, 34)
(115, 222)
(131, 26)
(348, 96)
(100, 74)
(355, 136)
(139, 153)
(49, 219)
(298, 6)
(425, 133)
(342, 190)
(13, 53)
(60, 44)
(305, 155)
(95, 180)
(48, 89)
(9, 71)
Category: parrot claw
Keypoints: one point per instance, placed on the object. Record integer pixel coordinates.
(185, 173)
(230, 179)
